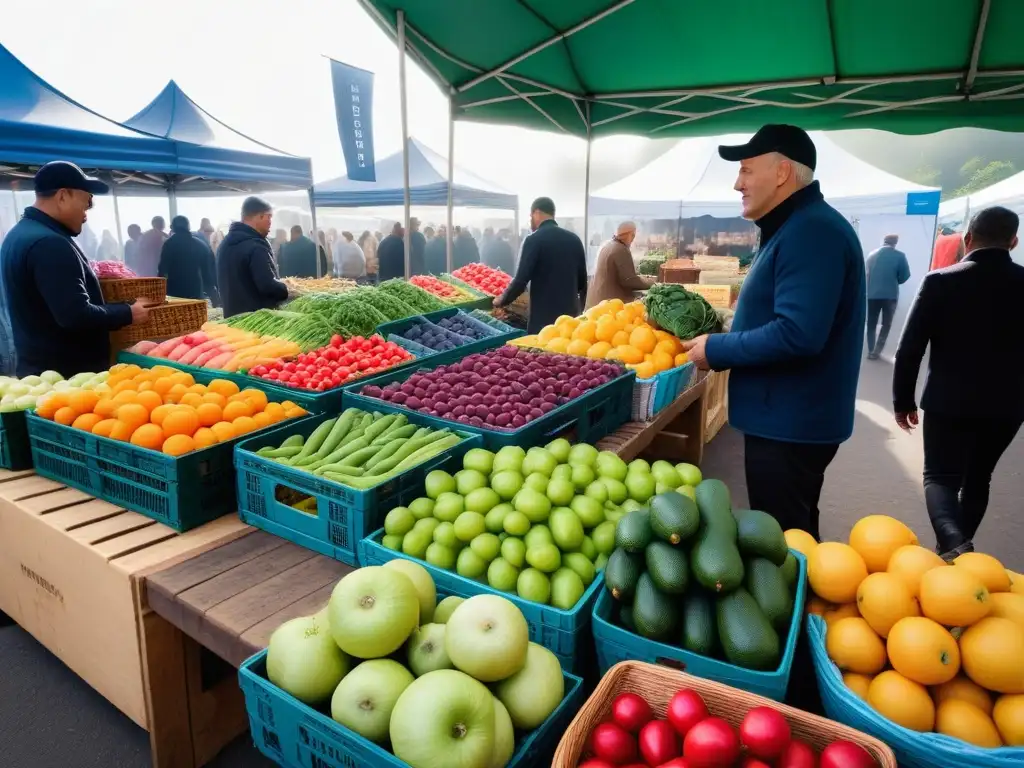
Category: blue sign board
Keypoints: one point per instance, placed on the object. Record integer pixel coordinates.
(923, 203)
(353, 104)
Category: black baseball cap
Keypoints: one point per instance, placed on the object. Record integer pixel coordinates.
(61, 174)
(787, 140)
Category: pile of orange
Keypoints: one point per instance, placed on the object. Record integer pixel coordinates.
(613, 330)
(163, 409)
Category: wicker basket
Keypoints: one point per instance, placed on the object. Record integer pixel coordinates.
(658, 684)
(131, 288)
(172, 318)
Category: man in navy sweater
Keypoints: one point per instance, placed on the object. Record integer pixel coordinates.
(798, 333)
(58, 316)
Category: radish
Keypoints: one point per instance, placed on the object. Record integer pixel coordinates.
(193, 354)
(219, 361)
(164, 348)
(143, 347)
(207, 355)
(178, 352)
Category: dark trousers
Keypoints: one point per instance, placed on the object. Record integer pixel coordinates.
(885, 308)
(960, 454)
(785, 479)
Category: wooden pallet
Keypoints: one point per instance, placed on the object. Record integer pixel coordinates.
(71, 574)
(718, 404)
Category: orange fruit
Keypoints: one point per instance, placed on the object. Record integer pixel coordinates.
(667, 346)
(183, 378)
(204, 438)
(547, 333)
(883, 599)
(124, 386)
(834, 571)
(275, 412)
(216, 398)
(176, 445)
(197, 389)
(223, 387)
(991, 572)
(626, 354)
(257, 399)
(682, 359)
(158, 414)
(964, 689)
(148, 436)
(923, 651)
(854, 646)
(662, 361)
(237, 408)
(1008, 714)
(163, 385)
(953, 596)
(126, 396)
(620, 339)
(903, 701)
(133, 414)
(910, 563)
(643, 338)
(858, 683)
(47, 406)
(208, 413)
(992, 653)
(181, 421)
(87, 421)
(146, 386)
(262, 420)
(585, 331)
(224, 430)
(65, 416)
(175, 393)
(876, 537)
(598, 350)
(191, 399)
(558, 345)
(149, 400)
(644, 370)
(288, 405)
(244, 424)
(161, 371)
(964, 721)
(121, 431)
(103, 428)
(295, 412)
(578, 347)
(83, 401)
(606, 329)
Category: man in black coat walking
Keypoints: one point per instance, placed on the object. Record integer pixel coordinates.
(186, 262)
(391, 254)
(971, 417)
(554, 265)
(245, 263)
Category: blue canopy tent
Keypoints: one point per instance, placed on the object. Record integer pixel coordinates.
(214, 157)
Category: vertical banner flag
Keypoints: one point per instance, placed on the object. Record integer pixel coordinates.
(353, 103)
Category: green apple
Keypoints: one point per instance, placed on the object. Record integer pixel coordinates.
(479, 459)
(469, 525)
(446, 608)
(448, 507)
(631, 505)
(468, 480)
(507, 483)
(560, 492)
(583, 453)
(582, 476)
(495, 519)
(690, 474)
(688, 490)
(610, 465)
(438, 482)
(640, 486)
(444, 533)
(539, 460)
(617, 492)
(639, 465)
(422, 507)
(597, 491)
(509, 457)
(589, 510)
(365, 698)
(666, 474)
(559, 449)
(538, 481)
(562, 472)
(482, 500)
(536, 506)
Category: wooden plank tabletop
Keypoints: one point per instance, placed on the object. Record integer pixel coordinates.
(231, 598)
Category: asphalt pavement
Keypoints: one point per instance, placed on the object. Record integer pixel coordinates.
(50, 718)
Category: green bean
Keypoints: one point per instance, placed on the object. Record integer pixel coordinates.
(383, 453)
(342, 427)
(292, 441)
(410, 447)
(346, 450)
(401, 433)
(399, 422)
(315, 440)
(379, 426)
(285, 452)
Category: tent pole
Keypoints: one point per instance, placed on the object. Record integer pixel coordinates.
(451, 180)
(316, 234)
(515, 237)
(586, 191)
(117, 217)
(172, 201)
(405, 139)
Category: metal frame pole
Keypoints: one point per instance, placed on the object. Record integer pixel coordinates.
(405, 141)
(117, 218)
(316, 237)
(586, 198)
(451, 181)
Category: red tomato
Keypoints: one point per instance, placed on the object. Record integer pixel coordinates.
(711, 743)
(631, 711)
(846, 754)
(752, 762)
(797, 755)
(765, 732)
(676, 762)
(685, 710)
(596, 764)
(336, 340)
(290, 367)
(613, 743)
(658, 742)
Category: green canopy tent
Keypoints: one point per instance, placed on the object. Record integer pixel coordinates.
(665, 68)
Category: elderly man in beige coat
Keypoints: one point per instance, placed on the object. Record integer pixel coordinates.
(615, 276)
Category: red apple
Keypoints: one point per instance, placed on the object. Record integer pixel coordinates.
(752, 762)
(846, 754)
(631, 711)
(658, 742)
(611, 742)
(595, 763)
(765, 733)
(711, 743)
(798, 755)
(676, 762)
(685, 710)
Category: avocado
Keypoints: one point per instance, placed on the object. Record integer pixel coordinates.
(700, 633)
(633, 531)
(667, 566)
(766, 584)
(674, 517)
(790, 570)
(655, 614)
(746, 635)
(621, 573)
(759, 534)
(715, 561)
(626, 616)
(715, 506)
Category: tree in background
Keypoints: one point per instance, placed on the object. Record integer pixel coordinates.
(978, 173)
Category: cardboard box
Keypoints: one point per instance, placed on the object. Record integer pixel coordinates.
(718, 296)
(71, 574)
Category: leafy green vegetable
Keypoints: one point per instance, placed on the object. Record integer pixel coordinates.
(416, 298)
(679, 311)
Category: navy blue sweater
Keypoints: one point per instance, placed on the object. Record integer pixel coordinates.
(58, 317)
(798, 333)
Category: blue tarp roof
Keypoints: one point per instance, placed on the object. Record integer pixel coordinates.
(209, 148)
(38, 124)
(428, 185)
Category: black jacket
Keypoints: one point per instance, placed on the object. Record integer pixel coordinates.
(436, 258)
(498, 254)
(187, 263)
(464, 251)
(245, 272)
(391, 258)
(970, 315)
(58, 317)
(298, 259)
(554, 265)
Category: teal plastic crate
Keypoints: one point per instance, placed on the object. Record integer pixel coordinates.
(912, 748)
(15, 450)
(182, 492)
(595, 414)
(653, 395)
(615, 643)
(561, 632)
(344, 515)
(295, 735)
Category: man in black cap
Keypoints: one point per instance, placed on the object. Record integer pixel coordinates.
(554, 265)
(58, 316)
(798, 332)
